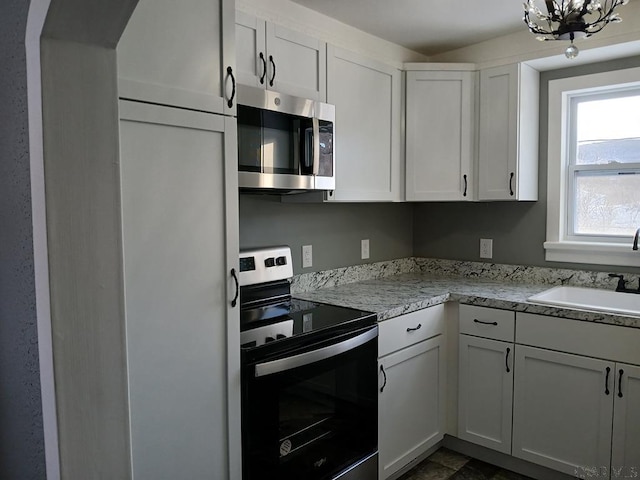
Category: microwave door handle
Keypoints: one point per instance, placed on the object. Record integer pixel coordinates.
(316, 146)
(306, 358)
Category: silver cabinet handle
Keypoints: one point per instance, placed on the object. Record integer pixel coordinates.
(289, 363)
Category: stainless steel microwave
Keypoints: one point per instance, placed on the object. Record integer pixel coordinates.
(285, 143)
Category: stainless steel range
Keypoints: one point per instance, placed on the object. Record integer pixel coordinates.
(309, 379)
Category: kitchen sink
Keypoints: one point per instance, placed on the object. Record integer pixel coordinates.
(590, 299)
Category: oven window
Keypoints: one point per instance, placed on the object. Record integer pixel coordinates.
(272, 142)
(313, 421)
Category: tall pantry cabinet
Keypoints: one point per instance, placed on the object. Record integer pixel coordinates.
(176, 67)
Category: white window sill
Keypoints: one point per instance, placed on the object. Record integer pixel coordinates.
(593, 253)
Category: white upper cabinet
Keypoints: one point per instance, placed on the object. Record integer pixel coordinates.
(251, 48)
(179, 54)
(367, 95)
(277, 58)
(440, 131)
(508, 133)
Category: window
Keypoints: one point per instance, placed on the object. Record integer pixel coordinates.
(593, 207)
(603, 160)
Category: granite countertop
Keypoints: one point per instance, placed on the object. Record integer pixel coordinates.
(396, 295)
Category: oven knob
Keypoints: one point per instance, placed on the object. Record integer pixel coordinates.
(269, 339)
(281, 260)
(269, 262)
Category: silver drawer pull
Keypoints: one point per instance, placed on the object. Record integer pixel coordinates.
(410, 329)
(475, 320)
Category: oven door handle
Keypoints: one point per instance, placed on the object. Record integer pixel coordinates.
(289, 363)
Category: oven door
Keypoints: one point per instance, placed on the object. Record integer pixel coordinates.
(311, 413)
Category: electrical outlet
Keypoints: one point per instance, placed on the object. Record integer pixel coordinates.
(486, 248)
(364, 249)
(307, 256)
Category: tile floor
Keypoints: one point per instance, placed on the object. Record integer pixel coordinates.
(448, 465)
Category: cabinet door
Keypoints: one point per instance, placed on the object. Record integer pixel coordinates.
(562, 411)
(367, 96)
(508, 133)
(296, 63)
(485, 394)
(251, 60)
(411, 403)
(625, 454)
(179, 216)
(177, 53)
(440, 135)
(498, 147)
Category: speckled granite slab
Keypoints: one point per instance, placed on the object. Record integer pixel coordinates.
(520, 273)
(390, 292)
(307, 282)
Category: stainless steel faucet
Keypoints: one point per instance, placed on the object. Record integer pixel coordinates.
(635, 239)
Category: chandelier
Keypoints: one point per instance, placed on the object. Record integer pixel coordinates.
(570, 19)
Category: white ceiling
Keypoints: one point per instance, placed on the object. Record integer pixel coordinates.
(426, 26)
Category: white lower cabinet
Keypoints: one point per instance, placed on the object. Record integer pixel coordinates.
(577, 397)
(411, 399)
(485, 376)
(560, 393)
(485, 393)
(625, 453)
(563, 407)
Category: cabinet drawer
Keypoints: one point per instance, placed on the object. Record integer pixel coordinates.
(400, 332)
(610, 342)
(487, 322)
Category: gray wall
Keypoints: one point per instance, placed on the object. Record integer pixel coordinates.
(335, 230)
(21, 433)
(518, 229)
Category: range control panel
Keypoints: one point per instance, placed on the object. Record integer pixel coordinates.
(265, 265)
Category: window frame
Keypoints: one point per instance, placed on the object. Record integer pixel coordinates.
(561, 244)
(575, 169)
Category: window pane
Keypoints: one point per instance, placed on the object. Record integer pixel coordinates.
(608, 130)
(607, 204)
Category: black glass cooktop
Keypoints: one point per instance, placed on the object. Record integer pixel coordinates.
(296, 319)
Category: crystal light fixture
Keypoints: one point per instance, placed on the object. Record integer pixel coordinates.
(570, 19)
